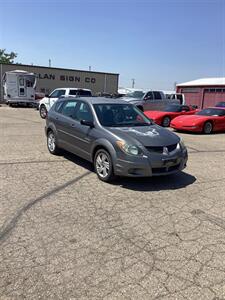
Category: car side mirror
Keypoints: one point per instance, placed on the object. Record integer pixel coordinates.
(87, 123)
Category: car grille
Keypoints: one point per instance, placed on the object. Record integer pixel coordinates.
(160, 149)
(165, 170)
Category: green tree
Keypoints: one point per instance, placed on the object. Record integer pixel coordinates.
(7, 58)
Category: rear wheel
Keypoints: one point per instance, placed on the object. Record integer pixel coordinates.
(43, 111)
(166, 121)
(208, 128)
(103, 165)
(51, 143)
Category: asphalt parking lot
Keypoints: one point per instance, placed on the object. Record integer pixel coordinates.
(64, 234)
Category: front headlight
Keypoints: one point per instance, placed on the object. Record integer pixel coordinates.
(182, 145)
(128, 148)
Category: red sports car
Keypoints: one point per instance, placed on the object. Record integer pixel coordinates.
(207, 120)
(170, 112)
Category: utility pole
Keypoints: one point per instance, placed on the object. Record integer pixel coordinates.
(89, 68)
(133, 82)
(175, 86)
(49, 63)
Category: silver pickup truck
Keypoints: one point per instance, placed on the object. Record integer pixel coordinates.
(149, 100)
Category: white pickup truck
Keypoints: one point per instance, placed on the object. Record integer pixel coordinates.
(46, 103)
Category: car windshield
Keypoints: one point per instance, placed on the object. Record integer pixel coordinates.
(220, 104)
(120, 115)
(135, 94)
(211, 112)
(173, 108)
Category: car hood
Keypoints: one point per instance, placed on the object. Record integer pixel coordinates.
(190, 120)
(152, 135)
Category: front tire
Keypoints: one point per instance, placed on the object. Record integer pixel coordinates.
(51, 143)
(166, 121)
(208, 128)
(103, 165)
(43, 111)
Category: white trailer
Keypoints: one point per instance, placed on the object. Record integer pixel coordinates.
(19, 87)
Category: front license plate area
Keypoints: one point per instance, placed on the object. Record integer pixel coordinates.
(170, 162)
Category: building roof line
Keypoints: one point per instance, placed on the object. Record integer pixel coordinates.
(64, 69)
(211, 81)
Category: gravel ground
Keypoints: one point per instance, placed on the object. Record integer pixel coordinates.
(66, 235)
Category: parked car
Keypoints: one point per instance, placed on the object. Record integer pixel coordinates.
(208, 120)
(46, 103)
(115, 136)
(220, 104)
(149, 100)
(170, 112)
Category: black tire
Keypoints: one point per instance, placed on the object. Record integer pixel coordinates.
(52, 143)
(166, 121)
(43, 111)
(208, 127)
(101, 159)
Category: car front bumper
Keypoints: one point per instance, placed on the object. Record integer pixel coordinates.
(187, 128)
(147, 167)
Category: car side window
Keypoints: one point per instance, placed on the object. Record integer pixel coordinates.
(157, 95)
(149, 96)
(57, 93)
(69, 109)
(84, 112)
(58, 106)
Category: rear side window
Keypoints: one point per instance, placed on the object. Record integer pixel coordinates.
(69, 109)
(157, 95)
(84, 93)
(73, 92)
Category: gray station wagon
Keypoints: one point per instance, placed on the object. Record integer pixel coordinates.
(114, 135)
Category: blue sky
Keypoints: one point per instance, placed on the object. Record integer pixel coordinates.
(156, 42)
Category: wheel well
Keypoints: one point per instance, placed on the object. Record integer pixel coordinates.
(208, 121)
(96, 149)
(48, 130)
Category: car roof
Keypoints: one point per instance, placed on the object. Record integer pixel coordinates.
(97, 100)
(69, 88)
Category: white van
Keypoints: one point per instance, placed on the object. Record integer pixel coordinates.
(19, 87)
(46, 103)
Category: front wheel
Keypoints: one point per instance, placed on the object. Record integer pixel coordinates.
(208, 128)
(43, 112)
(103, 165)
(51, 143)
(166, 122)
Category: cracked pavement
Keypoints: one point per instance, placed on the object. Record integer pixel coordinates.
(66, 235)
